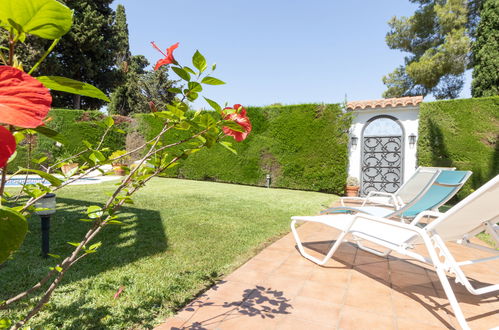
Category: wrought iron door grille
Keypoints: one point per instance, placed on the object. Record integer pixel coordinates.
(381, 164)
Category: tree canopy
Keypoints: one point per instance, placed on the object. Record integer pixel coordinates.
(437, 38)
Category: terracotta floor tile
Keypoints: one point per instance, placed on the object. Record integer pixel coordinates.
(406, 280)
(371, 297)
(245, 322)
(422, 306)
(211, 314)
(230, 291)
(289, 286)
(353, 318)
(398, 265)
(328, 275)
(248, 277)
(171, 323)
(404, 324)
(273, 254)
(300, 273)
(329, 292)
(295, 323)
(262, 266)
(309, 309)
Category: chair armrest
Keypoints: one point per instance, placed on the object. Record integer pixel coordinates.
(423, 214)
(382, 193)
(350, 198)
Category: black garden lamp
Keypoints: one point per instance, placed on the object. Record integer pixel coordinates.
(47, 206)
(353, 140)
(412, 140)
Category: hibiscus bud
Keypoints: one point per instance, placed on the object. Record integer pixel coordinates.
(152, 106)
(120, 290)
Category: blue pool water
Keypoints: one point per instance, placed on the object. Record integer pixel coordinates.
(16, 182)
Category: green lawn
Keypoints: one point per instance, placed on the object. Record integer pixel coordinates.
(178, 238)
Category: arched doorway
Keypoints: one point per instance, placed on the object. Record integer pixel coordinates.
(382, 155)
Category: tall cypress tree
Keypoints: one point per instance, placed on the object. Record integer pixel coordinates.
(135, 86)
(486, 52)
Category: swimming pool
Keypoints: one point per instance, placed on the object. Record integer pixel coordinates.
(19, 181)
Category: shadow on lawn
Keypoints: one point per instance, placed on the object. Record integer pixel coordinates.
(429, 295)
(141, 235)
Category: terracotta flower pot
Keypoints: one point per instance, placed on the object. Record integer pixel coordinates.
(352, 191)
(66, 168)
(119, 170)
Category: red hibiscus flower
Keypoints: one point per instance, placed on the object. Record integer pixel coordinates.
(169, 59)
(7, 145)
(240, 118)
(24, 101)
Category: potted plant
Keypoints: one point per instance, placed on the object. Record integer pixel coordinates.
(68, 167)
(119, 162)
(352, 187)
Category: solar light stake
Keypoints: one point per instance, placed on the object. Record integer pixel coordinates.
(268, 181)
(47, 205)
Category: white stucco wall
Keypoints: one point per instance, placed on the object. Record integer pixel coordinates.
(407, 116)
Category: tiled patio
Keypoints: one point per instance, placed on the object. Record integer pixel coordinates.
(279, 289)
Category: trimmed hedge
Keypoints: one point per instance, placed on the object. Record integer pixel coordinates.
(75, 126)
(461, 133)
(301, 146)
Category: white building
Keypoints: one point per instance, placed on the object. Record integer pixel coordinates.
(382, 149)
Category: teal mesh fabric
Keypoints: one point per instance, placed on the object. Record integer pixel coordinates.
(437, 194)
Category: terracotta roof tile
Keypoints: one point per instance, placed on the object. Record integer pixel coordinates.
(383, 103)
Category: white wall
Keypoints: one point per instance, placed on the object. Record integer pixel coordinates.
(407, 116)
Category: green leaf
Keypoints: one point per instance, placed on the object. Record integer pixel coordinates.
(5, 323)
(95, 246)
(192, 96)
(40, 160)
(214, 66)
(97, 157)
(73, 244)
(175, 90)
(94, 212)
(72, 86)
(182, 73)
(49, 177)
(48, 19)
(195, 87)
(87, 144)
(233, 126)
(228, 146)
(13, 229)
(51, 134)
(186, 68)
(19, 136)
(214, 105)
(199, 61)
(108, 121)
(212, 81)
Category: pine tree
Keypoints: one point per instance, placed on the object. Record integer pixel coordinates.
(486, 52)
(437, 37)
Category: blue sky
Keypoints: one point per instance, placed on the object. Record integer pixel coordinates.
(276, 51)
